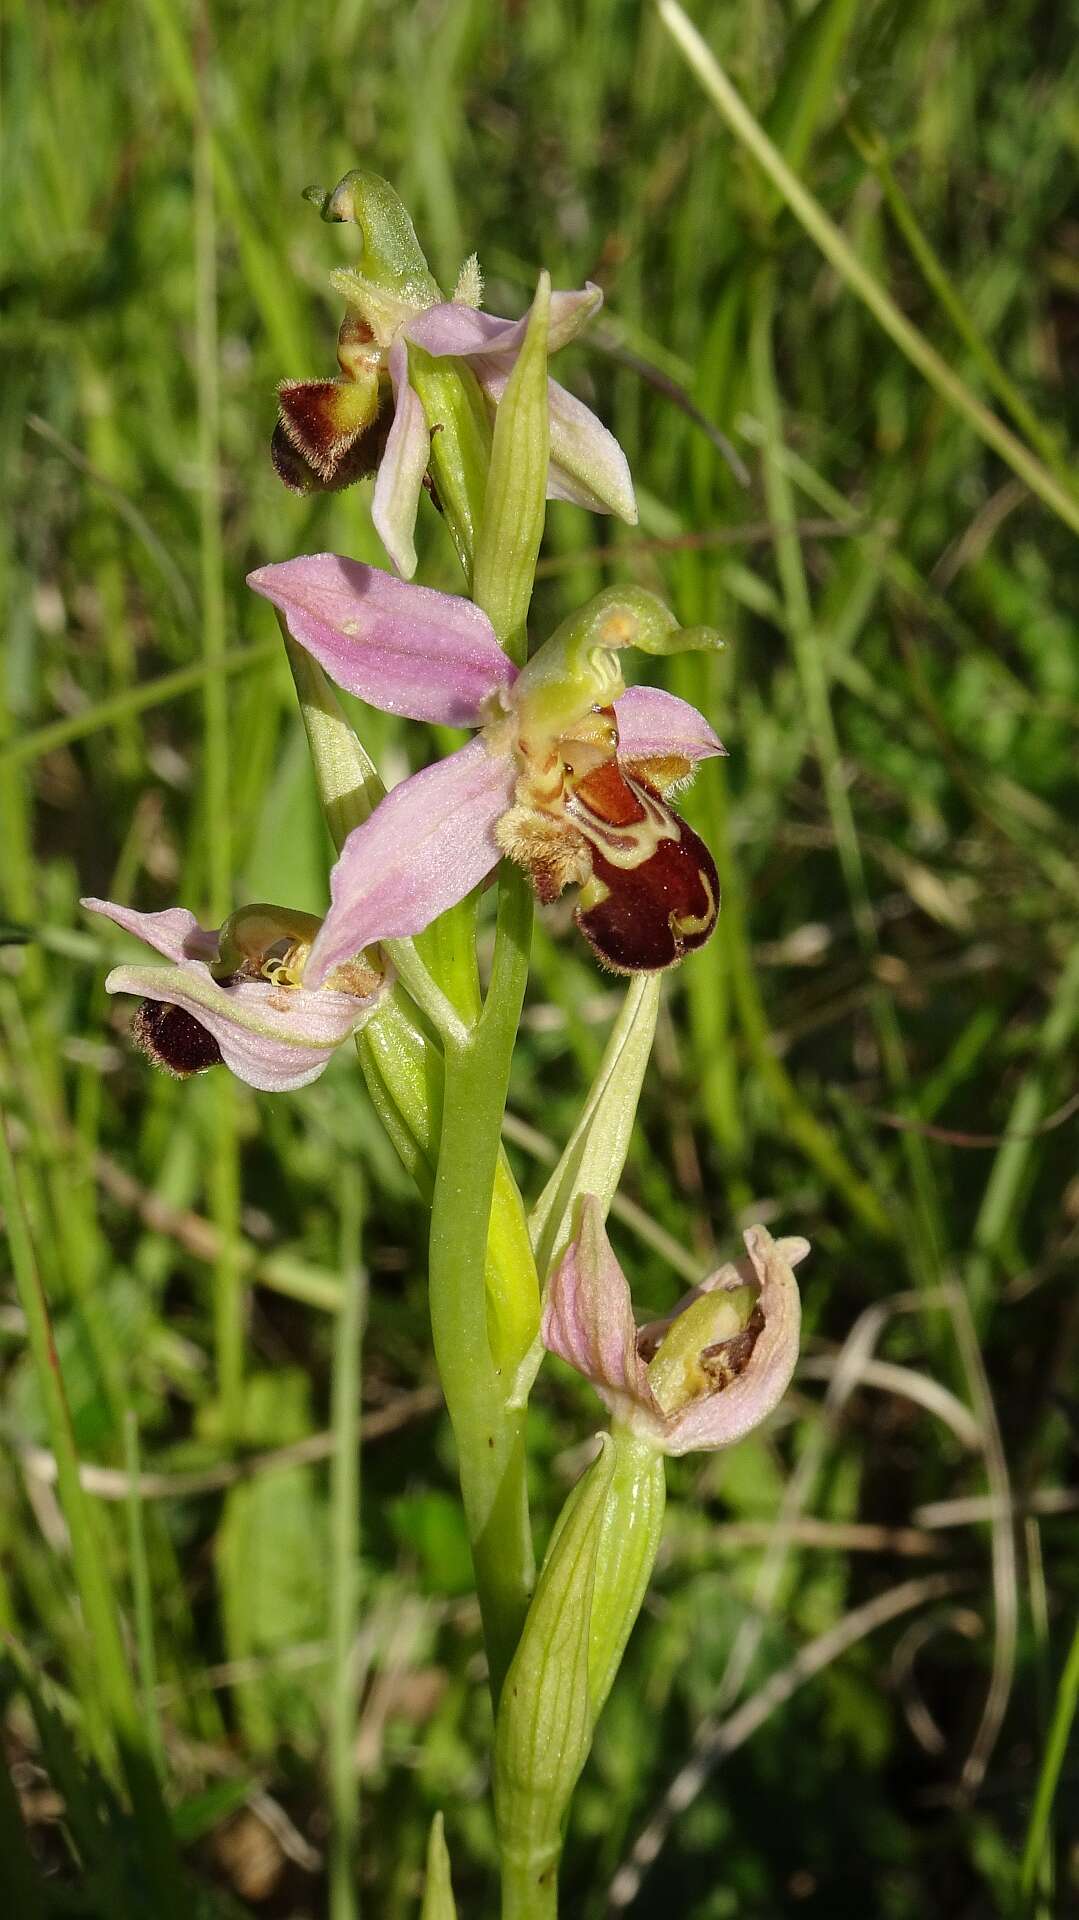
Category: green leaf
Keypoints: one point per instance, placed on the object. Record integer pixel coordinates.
(596, 1150)
(347, 780)
(515, 503)
(452, 400)
(438, 1900)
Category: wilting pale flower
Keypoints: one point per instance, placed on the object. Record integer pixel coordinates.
(237, 995)
(567, 776)
(370, 420)
(707, 1374)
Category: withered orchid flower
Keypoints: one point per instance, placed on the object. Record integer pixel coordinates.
(703, 1377)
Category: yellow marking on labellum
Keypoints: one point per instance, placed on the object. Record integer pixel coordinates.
(620, 816)
(690, 923)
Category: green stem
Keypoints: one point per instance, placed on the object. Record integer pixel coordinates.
(529, 1892)
(344, 1567)
(836, 248)
(1052, 1760)
(478, 1351)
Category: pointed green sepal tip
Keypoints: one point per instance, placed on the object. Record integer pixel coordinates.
(438, 1900)
(681, 640)
(515, 499)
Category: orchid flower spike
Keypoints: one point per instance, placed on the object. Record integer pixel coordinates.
(369, 419)
(568, 776)
(237, 996)
(706, 1375)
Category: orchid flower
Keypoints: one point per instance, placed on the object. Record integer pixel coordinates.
(567, 776)
(237, 995)
(707, 1374)
(370, 419)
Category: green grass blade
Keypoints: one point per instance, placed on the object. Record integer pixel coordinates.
(90, 1565)
(837, 249)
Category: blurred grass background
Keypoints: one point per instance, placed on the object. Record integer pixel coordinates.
(882, 1589)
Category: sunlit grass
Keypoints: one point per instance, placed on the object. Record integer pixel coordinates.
(895, 827)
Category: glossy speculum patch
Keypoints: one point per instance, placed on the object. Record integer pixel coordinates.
(172, 1038)
(654, 892)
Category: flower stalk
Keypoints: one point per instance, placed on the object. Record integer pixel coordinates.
(479, 1350)
(567, 783)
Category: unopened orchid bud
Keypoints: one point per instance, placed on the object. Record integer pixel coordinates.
(587, 1599)
(629, 1541)
(545, 1720)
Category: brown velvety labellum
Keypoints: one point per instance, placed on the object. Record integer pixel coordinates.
(654, 892)
(355, 463)
(330, 433)
(172, 1038)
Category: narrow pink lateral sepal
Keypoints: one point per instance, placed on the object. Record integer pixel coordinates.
(588, 1318)
(653, 725)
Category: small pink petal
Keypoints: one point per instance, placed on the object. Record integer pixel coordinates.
(453, 330)
(404, 649)
(653, 724)
(427, 844)
(274, 1038)
(174, 933)
(401, 469)
(719, 1419)
(588, 1319)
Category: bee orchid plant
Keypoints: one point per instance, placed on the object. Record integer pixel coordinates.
(566, 784)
